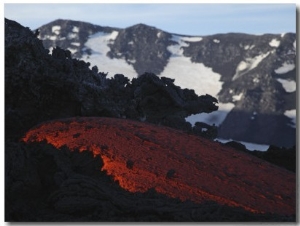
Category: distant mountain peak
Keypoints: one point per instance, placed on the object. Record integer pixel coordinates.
(239, 69)
(141, 26)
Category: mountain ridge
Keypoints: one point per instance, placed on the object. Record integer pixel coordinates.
(43, 183)
(252, 74)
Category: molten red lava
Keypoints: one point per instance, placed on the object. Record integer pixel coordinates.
(143, 156)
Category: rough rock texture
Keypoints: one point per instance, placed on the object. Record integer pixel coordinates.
(70, 34)
(147, 51)
(247, 65)
(44, 184)
(174, 163)
(40, 87)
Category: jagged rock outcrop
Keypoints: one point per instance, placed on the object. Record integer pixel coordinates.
(44, 184)
(40, 87)
(256, 74)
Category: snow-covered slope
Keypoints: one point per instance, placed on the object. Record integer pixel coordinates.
(252, 76)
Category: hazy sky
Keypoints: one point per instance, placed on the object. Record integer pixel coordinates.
(189, 19)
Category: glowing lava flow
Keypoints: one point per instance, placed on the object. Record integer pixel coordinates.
(141, 156)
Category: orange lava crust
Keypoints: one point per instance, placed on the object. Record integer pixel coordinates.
(202, 170)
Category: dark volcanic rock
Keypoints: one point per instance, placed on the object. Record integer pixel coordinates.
(44, 184)
(247, 65)
(146, 45)
(41, 87)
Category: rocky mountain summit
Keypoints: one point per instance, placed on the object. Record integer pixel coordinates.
(253, 77)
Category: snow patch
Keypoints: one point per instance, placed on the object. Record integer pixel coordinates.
(216, 41)
(98, 43)
(294, 44)
(249, 64)
(288, 85)
(50, 50)
(132, 61)
(246, 47)
(190, 75)
(292, 115)
(71, 36)
(237, 97)
(256, 60)
(56, 29)
(249, 146)
(113, 35)
(75, 43)
(52, 37)
(158, 34)
(130, 43)
(286, 67)
(282, 35)
(75, 29)
(242, 66)
(274, 43)
(213, 118)
(72, 50)
(191, 39)
(256, 80)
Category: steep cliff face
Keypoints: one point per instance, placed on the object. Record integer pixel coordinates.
(252, 76)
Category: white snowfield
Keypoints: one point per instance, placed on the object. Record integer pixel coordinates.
(274, 43)
(75, 29)
(248, 64)
(187, 74)
(286, 67)
(292, 115)
(72, 50)
(98, 43)
(214, 118)
(288, 85)
(249, 146)
(190, 75)
(56, 29)
(237, 97)
(198, 77)
(246, 47)
(189, 39)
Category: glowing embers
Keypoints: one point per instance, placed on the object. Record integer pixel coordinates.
(142, 156)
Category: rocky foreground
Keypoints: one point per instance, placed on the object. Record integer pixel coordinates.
(142, 156)
(56, 183)
(103, 169)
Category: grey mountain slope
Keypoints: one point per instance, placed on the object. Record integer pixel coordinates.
(247, 65)
(150, 51)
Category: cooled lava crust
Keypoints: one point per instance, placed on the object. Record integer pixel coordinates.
(141, 156)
